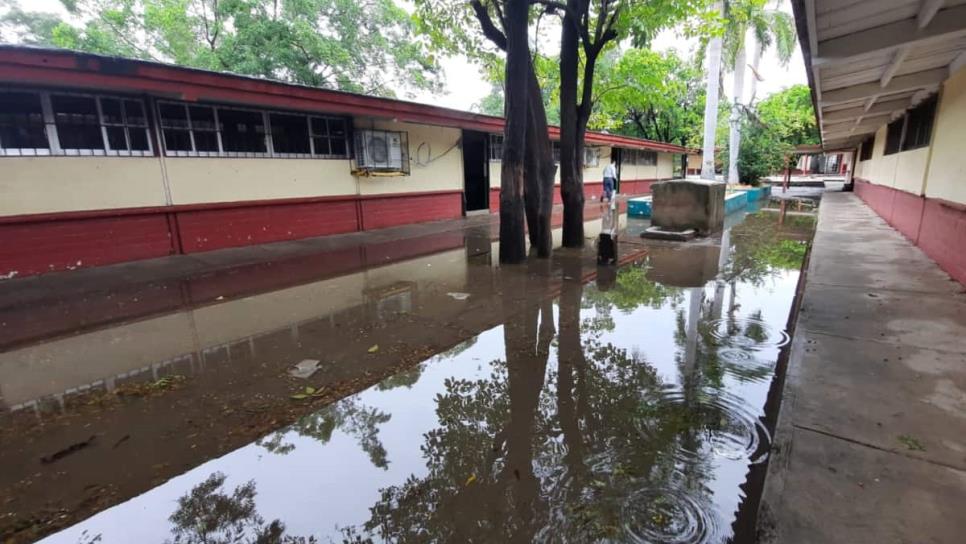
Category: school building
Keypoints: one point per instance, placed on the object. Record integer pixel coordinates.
(106, 160)
(888, 80)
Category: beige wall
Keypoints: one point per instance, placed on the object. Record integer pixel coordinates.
(938, 170)
(54, 184)
(444, 171)
(195, 180)
(947, 166)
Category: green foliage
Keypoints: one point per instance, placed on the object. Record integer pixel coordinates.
(771, 131)
(770, 27)
(363, 46)
(652, 95)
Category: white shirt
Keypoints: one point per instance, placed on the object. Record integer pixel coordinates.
(610, 171)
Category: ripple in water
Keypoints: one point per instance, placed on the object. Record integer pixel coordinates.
(702, 421)
(668, 515)
(748, 333)
(744, 364)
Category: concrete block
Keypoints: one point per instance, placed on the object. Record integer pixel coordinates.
(688, 204)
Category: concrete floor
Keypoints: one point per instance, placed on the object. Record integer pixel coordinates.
(871, 438)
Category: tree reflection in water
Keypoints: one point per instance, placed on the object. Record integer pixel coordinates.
(544, 452)
(348, 415)
(209, 515)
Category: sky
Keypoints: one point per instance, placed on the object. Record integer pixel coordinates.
(465, 85)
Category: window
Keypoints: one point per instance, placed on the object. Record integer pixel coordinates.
(125, 124)
(556, 152)
(919, 125)
(78, 123)
(496, 147)
(867, 146)
(329, 136)
(22, 128)
(640, 157)
(290, 134)
(200, 130)
(591, 156)
(62, 123)
(242, 131)
(894, 136)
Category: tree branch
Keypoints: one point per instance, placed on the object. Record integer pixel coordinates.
(490, 30)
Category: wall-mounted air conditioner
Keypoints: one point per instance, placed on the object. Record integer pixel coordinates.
(381, 151)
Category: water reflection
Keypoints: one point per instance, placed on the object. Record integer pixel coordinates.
(627, 409)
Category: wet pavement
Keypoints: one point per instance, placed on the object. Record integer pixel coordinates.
(871, 441)
(440, 397)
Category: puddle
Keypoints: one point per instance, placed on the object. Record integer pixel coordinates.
(556, 402)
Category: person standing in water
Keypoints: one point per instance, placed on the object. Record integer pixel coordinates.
(610, 180)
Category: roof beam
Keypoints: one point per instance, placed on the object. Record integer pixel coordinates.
(927, 11)
(957, 63)
(882, 38)
(909, 82)
(897, 61)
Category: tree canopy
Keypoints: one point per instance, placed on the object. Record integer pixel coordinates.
(367, 46)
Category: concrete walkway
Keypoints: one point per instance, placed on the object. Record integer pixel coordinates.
(871, 438)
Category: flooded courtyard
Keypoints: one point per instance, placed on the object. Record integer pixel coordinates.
(407, 391)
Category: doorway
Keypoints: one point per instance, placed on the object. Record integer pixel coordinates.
(617, 155)
(476, 172)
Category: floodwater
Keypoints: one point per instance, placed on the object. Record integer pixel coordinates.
(449, 400)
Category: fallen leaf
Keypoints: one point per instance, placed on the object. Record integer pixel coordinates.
(374, 348)
(471, 479)
(299, 396)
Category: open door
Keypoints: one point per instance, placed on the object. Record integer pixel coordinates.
(476, 172)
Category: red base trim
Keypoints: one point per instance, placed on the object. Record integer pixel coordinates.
(936, 226)
(36, 244)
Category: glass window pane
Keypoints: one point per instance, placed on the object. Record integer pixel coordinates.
(206, 140)
(139, 139)
(322, 146)
(176, 140)
(202, 117)
(337, 128)
(22, 121)
(134, 110)
(116, 139)
(319, 127)
(242, 131)
(78, 126)
(290, 133)
(338, 147)
(111, 111)
(173, 115)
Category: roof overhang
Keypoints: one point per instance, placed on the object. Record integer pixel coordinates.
(870, 60)
(63, 68)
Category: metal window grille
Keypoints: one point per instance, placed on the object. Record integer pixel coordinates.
(74, 124)
(496, 147)
(382, 151)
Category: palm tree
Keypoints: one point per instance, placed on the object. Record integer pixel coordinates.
(767, 26)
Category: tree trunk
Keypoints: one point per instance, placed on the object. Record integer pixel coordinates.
(512, 236)
(755, 61)
(734, 134)
(571, 174)
(540, 172)
(711, 102)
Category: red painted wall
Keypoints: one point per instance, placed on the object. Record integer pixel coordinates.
(936, 226)
(205, 230)
(32, 248)
(393, 210)
(38, 244)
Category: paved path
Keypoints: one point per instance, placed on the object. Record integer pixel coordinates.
(871, 439)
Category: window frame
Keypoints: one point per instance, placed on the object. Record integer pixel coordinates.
(54, 147)
(868, 148)
(266, 115)
(893, 143)
(495, 142)
(918, 122)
